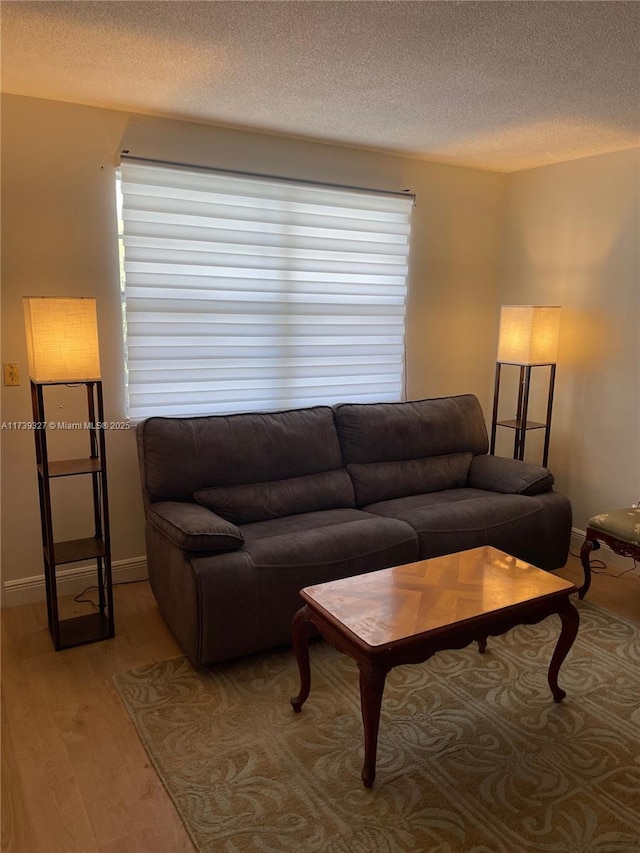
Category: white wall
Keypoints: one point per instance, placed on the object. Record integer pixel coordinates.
(59, 238)
(571, 239)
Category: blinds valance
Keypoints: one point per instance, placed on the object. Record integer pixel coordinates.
(249, 294)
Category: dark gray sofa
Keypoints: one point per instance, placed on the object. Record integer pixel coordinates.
(244, 510)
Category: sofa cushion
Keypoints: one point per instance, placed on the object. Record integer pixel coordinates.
(249, 605)
(465, 518)
(182, 455)
(336, 543)
(386, 432)
(380, 481)
(194, 528)
(262, 501)
(397, 507)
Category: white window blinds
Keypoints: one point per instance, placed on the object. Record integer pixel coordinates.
(249, 294)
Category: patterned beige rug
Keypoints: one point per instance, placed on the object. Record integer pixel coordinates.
(473, 753)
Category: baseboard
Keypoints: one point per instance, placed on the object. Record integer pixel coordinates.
(603, 553)
(70, 581)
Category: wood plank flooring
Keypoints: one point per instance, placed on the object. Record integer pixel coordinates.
(75, 778)
(611, 590)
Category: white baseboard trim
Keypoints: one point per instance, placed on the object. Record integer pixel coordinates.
(603, 553)
(70, 581)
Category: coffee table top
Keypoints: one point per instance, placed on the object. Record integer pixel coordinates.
(392, 604)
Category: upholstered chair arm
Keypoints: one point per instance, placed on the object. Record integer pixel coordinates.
(508, 476)
(193, 527)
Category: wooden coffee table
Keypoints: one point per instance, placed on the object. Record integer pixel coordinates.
(405, 614)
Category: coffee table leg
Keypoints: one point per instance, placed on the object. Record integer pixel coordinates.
(300, 633)
(372, 680)
(570, 622)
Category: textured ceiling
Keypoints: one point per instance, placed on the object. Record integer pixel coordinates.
(496, 85)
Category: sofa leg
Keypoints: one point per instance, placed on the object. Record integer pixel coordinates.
(588, 546)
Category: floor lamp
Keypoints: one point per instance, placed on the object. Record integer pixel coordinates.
(528, 338)
(62, 348)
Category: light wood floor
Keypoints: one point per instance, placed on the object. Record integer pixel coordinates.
(75, 778)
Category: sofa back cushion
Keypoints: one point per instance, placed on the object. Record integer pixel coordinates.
(277, 498)
(388, 432)
(395, 449)
(180, 456)
(383, 481)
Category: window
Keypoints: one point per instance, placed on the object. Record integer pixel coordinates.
(253, 294)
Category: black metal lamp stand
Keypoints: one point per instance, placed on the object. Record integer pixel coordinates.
(520, 424)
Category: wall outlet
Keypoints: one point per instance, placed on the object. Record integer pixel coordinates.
(11, 373)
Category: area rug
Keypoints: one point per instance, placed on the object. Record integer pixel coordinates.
(474, 755)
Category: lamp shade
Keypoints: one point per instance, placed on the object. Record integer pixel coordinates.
(528, 334)
(62, 339)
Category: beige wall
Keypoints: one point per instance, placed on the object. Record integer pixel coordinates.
(59, 238)
(571, 239)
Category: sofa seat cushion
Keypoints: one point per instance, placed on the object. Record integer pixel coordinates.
(287, 554)
(263, 501)
(334, 543)
(458, 519)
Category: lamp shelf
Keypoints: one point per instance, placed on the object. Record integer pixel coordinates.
(71, 467)
(528, 339)
(80, 630)
(521, 424)
(515, 423)
(77, 550)
(91, 627)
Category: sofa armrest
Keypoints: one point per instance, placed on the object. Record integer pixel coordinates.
(193, 527)
(508, 476)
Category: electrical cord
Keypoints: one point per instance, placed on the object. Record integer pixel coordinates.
(599, 567)
(620, 574)
(78, 598)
